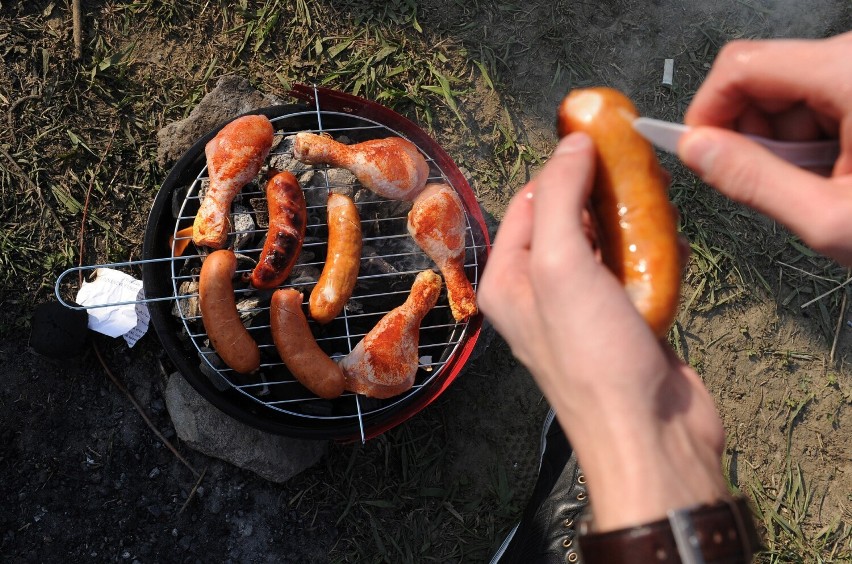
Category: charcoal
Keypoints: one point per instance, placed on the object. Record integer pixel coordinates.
(261, 212)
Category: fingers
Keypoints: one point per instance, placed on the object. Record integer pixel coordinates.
(748, 173)
(562, 189)
(511, 245)
(516, 228)
(543, 219)
(782, 71)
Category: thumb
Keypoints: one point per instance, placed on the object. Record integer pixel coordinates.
(748, 173)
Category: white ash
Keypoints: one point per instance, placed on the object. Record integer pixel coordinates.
(247, 308)
(306, 177)
(278, 141)
(338, 180)
(187, 307)
(281, 158)
(244, 227)
(203, 185)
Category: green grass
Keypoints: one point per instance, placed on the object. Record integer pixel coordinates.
(783, 507)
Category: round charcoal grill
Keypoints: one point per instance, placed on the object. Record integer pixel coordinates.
(272, 400)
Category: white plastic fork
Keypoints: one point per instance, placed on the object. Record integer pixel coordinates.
(808, 154)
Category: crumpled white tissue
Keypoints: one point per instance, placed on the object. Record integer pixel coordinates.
(129, 320)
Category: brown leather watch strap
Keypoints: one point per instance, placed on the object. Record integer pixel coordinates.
(722, 533)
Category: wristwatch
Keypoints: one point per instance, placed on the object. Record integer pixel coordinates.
(723, 532)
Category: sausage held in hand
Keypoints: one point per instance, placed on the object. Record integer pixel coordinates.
(637, 229)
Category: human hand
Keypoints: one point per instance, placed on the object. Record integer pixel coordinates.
(784, 89)
(645, 429)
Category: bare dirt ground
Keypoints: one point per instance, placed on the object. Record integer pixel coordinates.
(82, 477)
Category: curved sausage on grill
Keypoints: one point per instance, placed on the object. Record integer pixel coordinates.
(342, 261)
(234, 157)
(392, 167)
(299, 350)
(637, 228)
(219, 314)
(287, 220)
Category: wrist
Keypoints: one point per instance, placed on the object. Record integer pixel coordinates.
(636, 473)
(721, 532)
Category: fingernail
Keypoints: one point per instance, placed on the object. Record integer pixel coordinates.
(572, 143)
(698, 151)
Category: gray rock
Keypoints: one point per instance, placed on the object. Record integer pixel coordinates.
(232, 96)
(206, 429)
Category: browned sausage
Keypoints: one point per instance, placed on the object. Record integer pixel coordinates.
(287, 219)
(342, 260)
(228, 335)
(636, 222)
(298, 348)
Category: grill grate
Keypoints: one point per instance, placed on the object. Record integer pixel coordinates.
(390, 261)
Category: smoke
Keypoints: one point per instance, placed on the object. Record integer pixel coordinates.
(810, 20)
(633, 44)
(764, 19)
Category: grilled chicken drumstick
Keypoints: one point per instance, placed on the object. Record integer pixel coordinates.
(234, 158)
(385, 362)
(392, 167)
(436, 222)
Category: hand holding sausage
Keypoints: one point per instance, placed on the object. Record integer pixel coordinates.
(788, 90)
(644, 427)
